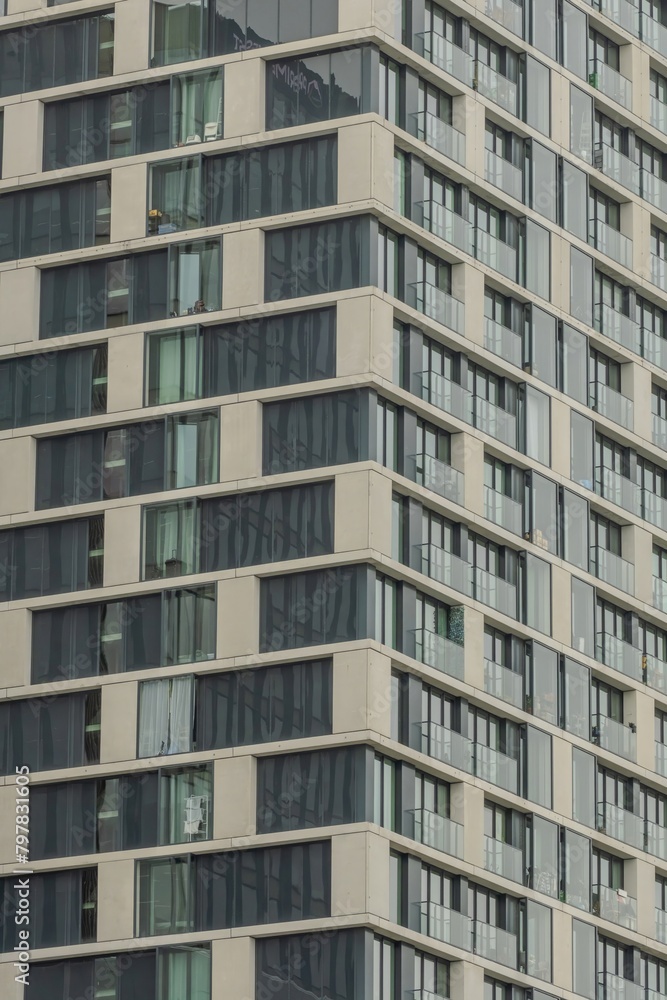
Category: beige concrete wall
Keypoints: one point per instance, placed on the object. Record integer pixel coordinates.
(118, 735)
(9, 988)
(132, 36)
(17, 482)
(639, 710)
(562, 775)
(238, 615)
(15, 629)
(126, 373)
(467, 808)
(122, 545)
(241, 441)
(235, 797)
(244, 98)
(115, 885)
(362, 692)
(23, 128)
(360, 874)
(369, 496)
(19, 306)
(129, 202)
(232, 968)
(243, 269)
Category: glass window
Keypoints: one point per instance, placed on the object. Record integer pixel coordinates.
(575, 202)
(536, 430)
(545, 849)
(543, 682)
(298, 966)
(333, 251)
(538, 259)
(165, 717)
(574, 40)
(170, 540)
(581, 123)
(584, 794)
(577, 695)
(315, 431)
(581, 442)
(583, 959)
(583, 617)
(329, 86)
(538, 937)
(196, 107)
(538, 85)
(537, 594)
(539, 766)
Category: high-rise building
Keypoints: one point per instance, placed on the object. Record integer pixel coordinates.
(333, 500)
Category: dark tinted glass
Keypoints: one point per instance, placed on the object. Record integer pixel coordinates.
(316, 88)
(329, 966)
(315, 431)
(314, 259)
(44, 559)
(46, 735)
(59, 386)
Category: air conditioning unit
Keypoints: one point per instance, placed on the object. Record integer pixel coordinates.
(196, 816)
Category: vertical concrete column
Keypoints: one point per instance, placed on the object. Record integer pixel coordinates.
(468, 285)
(636, 384)
(355, 323)
(23, 131)
(360, 874)
(370, 146)
(469, 117)
(640, 885)
(125, 389)
(636, 225)
(232, 968)
(562, 949)
(635, 66)
(132, 39)
(353, 14)
(560, 110)
(118, 735)
(473, 623)
(243, 269)
(19, 306)
(466, 981)
(122, 545)
(130, 202)
(244, 97)
(363, 512)
(17, 482)
(639, 711)
(467, 808)
(241, 441)
(116, 891)
(235, 797)
(362, 695)
(238, 617)
(15, 643)
(468, 458)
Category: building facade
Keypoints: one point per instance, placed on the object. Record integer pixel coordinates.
(333, 500)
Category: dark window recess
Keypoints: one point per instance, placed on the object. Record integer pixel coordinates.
(51, 558)
(319, 258)
(116, 813)
(303, 790)
(63, 909)
(270, 526)
(53, 219)
(56, 53)
(64, 385)
(331, 966)
(264, 705)
(241, 357)
(151, 630)
(275, 180)
(46, 735)
(162, 454)
(315, 431)
(305, 609)
(234, 889)
(317, 88)
(150, 975)
(200, 30)
(184, 279)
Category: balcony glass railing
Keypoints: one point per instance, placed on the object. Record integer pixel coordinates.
(654, 508)
(446, 395)
(447, 56)
(654, 348)
(438, 476)
(610, 403)
(612, 569)
(503, 859)
(503, 174)
(617, 327)
(661, 925)
(620, 168)
(436, 651)
(502, 510)
(495, 253)
(655, 672)
(616, 988)
(496, 944)
(503, 341)
(447, 746)
(623, 12)
(498, 88)
(659, 271)
(443, 924)
(440, 135)
(439, 305)
(614, 905)
(503, 683)
(610, 241)
(496, 767)
(447, 225)
(493, 420)
(658, 114)
(439, 832)
(653, 33)
(610, 82)
(614, 736)
(656, 840)
(445, 567)
(659, 431)
(661, 758)
(620, 824)
(618, 489)
(508, 13)
(619, 655)
(654, 190)
(495, 592)
(426, 995)
(660, 594)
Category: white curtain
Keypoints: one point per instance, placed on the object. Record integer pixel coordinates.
(153, 718)
(180, 716)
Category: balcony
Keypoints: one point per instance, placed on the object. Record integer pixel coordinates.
(661, 925)
(447, 746)
(618, 489)
(447, 225)
(503, 683)
(615, 905)
(611, 83)
(493, 420)
(653, 33)
(659, 431)
(654, 190)
(441, 136)
(439, 477)
(654, 348)
(610, 241)
(656, 840)
(502, 510)
(446, 395)
(503, 859)
(655, 672)
(659, 271)
(623, 12)
(660, 594)
(499, 89)
(496, 944)
(503, 341)
(495, 592)
(619, 655)
(438, 652)
(618, 167)
(620, 824)
(614, 736)
(610, 403)
(617, 327)
(445, 567)
(496, 767)
(658, 114)
(439, 305)
(443, 924)
(661, 758)
(447, 56)
(508, 13)
(607, 566)
(495, 253)
(503, 174)
(616, 988)
(438, 832)
(654, 508)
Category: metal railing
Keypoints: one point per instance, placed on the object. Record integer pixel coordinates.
(495, 592)
(498, 88)
(447, 746)
(496, 944)
(495, 253)
(503, 341)
(620, 824)
(654, 33)
(654, 189)
(610, 241)
(443, 924)
(447, 56)
(618, 327)
(619, 167)
(447, 225)
(508, 13)
(445, 567)
(659, 431)
(610, 82)
(496, 767)
(618, 489)
(615, 905)
(493, 420)
(619, 655)
(446, 395)
(439, 305)
(610, 403)
(616, 988)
